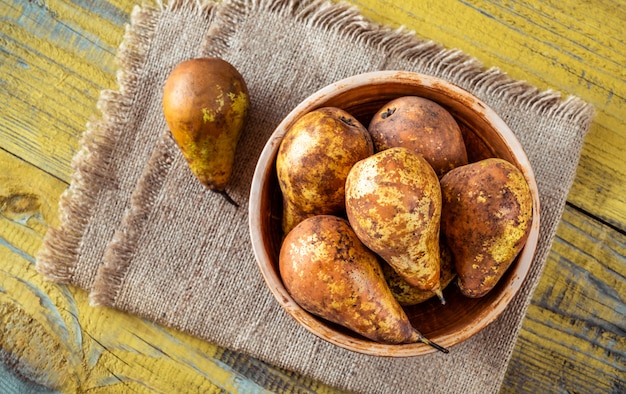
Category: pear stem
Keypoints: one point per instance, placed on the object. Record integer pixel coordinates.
(228, 198)
(420, 338)
(439, 294)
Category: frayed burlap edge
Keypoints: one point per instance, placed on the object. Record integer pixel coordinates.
(62, 246)
(452, 64)
(110, 276)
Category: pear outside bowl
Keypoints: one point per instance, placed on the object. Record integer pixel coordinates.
(485, 135)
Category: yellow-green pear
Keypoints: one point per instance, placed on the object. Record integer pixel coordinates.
(206, 104)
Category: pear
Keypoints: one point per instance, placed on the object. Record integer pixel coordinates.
(408, 295)
(313, 161)
(330, 273)
(423, 126)
(486, 218)
(206, 104)
(393, 203)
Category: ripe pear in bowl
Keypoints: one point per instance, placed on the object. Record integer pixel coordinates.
(423, 126)
(331, 274)
(393, 203)
(313, 161)
(486, 218)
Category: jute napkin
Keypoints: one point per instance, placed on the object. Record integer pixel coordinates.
(144, 236)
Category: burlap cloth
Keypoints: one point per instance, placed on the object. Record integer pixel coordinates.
(144, 236)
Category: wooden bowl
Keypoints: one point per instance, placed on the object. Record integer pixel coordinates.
(485, 134)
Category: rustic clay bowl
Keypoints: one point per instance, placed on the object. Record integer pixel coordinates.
(485, 134)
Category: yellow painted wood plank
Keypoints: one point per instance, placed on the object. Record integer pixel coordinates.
(574, 335)
(56, 59)
(28, 198)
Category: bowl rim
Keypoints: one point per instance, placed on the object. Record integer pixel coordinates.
(262, 172)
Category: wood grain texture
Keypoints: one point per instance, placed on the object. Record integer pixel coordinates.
(56, 56)
(573, 338)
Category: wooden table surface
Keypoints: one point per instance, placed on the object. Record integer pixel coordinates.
(56, 56)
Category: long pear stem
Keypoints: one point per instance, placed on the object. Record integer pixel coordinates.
(420, 338)
(228, 198)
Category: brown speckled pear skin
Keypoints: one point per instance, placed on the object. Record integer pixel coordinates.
(313, 161)
(423, 126)
(330, 273)
(408, 295)
(393, 203)
(206, 104)
(486, 218)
